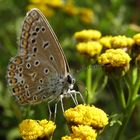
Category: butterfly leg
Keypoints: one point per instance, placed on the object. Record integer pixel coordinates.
(61, 100)
(55, 110)
(75, 94)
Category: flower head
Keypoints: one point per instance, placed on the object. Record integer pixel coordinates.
(121, 42)
(81, 132)
(91, 48)
(114, 57)
(87, 115)
(70, 8)
(86, 35)
(86, 15)
(33, 129)
(115, 62)
(106, 42)
(136, 38)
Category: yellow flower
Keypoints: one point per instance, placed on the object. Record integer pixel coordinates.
(48, 12)
(106, 42)
(121, 42)
(55, 3)
(91, 48)
(33, 129)
(87, 115)
(115, 58)
(81, 132)
(86, 35)
(137, 38)
(86, 15)
(115, 62)
(70, 8)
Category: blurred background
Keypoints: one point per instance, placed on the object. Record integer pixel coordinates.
(110, 17)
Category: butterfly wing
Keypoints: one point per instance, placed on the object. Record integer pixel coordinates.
(35, 73)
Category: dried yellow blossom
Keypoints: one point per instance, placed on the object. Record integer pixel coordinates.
(86, 35)
(106, 42)
(81, 132)
(121, 42)
(114, 57)
(91, 48)
(87, 115)
(137, 38)
(86, 15)
(33, 129)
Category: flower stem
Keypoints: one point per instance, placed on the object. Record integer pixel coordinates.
(88, 84)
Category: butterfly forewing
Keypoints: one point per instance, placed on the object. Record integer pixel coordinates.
(35, 73)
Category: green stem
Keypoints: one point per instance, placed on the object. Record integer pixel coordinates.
(88, 84)
(125, 120)
(120, 93)
(131, 103)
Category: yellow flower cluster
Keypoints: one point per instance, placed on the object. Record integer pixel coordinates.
(119, 49)
(121, 42)
(86, 121)
(33, 129)
(89, 45)
(114, 57)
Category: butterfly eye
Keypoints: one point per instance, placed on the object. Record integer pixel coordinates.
(36, 63)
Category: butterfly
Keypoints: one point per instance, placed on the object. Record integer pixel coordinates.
(40, 71)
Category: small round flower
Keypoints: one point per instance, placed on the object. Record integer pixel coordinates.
(115, 62)
(114, 57)
(91, 48)
(121, 42)
(86, 15)
(87, 115)
(81, 132)
(70, 8)
(55, 3)
(106, 42)
(33, 129)
(136, 38)
(86, 35)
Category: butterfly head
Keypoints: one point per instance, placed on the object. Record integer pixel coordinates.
(70, 81)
